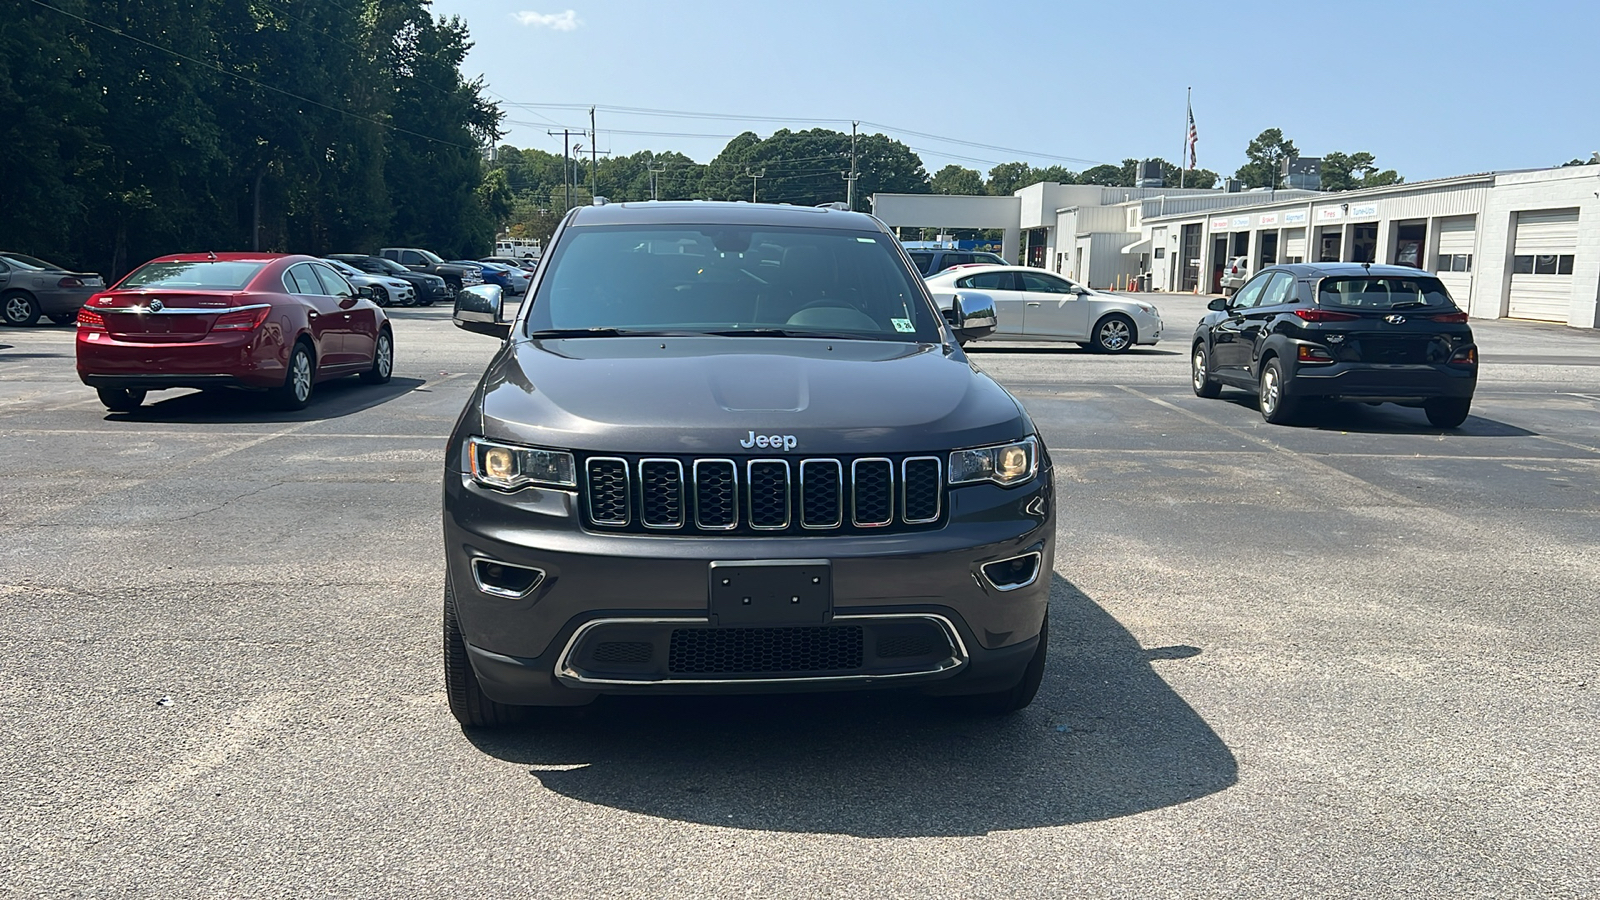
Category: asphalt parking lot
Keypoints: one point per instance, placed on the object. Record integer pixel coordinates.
(1353, 658)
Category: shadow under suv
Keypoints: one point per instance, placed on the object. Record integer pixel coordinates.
(737, 448)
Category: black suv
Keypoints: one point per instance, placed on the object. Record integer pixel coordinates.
(1339, 331)
(932, 262)
(732, 448)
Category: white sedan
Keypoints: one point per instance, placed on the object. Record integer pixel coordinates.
(1035, 305)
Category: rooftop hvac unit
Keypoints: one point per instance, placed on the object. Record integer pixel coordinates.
(1150, 174)
(1232, 185)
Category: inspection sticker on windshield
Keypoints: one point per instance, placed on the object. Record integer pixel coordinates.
(903, 325)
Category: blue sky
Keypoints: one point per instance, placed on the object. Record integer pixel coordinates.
(1432, 89)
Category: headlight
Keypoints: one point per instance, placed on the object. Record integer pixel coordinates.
(1004, 464)
(508, 467)
(1146, 308)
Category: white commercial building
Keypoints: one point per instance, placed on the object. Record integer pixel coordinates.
(1507, 244)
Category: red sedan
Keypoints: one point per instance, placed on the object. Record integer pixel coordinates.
(262, 321)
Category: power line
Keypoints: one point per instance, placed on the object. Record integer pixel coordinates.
(354, 115)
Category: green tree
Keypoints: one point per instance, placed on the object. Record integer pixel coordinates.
(1109, 175)
(1266, 153)
(1593, 160)
(1006, 179)
(1349, 171)
(807, 168)
(954, 179)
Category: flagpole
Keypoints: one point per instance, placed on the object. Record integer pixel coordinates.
(1183, 158)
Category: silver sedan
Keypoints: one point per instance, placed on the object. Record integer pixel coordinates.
(30, 288)
(1035, 305)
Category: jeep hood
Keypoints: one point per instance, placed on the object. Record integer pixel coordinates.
(704, 395)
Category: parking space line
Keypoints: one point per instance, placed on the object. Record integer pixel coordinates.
(1394, 498)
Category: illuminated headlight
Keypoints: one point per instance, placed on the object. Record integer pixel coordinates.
(1005, 464)
(508, 467)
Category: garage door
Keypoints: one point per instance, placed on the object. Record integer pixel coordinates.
(1457, 236)
(1294, 245)
(1541, 269)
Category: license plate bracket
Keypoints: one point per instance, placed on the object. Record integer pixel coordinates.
(771, 592)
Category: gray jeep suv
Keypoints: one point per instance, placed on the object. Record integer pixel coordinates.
(737, 448)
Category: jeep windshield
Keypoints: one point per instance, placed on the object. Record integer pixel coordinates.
(760, 281)
(1384, 292)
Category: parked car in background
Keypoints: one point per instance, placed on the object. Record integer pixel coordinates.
(416, 259)
(932, 262)
(525, 263)
(1035, 305)
(387, 290)
(429, 288)
(510, 278)
(31, 287)
(274, 322)
(1235, 274)
(1339, 331)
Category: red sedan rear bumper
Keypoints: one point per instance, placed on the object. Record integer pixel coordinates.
(251, 360)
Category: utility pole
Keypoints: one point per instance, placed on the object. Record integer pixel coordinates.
(594, 159)
(753, 176)
(653, 173)
(566, 162)
(850, 179)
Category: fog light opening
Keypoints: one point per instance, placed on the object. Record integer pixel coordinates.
(504, 579)
(1013, 573)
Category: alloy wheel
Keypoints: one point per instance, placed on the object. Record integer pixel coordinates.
(17, 309)
(301, 375)
(1114, 335)
(1199, 367)
(1270, 390)
(385, 357)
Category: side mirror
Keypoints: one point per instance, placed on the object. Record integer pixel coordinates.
(1220, 304)
(365, 291)
(480, 309)
(972, 315)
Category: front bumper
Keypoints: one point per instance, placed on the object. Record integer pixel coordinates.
(924, 593)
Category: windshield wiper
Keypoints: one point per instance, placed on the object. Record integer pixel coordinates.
(607, 332)
(786, 332)
(1409, 304)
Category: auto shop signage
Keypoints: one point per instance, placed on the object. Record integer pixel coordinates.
(1268, 219)
(1219, 224)
(1365, 211)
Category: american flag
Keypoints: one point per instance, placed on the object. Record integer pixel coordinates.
(1194, 136)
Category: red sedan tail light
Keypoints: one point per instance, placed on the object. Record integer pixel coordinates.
(1325, 315)
(89, 320)
(248, 319)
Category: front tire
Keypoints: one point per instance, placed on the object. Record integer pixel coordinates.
(1276, 406)
(1200, 374)
(1021, 694)
(1114, 334)
(382, 360)
(122, 400)
(471, 707)
(19, 309)
(380, 296)
(299, 381)
(1447, 412)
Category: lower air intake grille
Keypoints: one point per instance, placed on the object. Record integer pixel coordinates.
(623, 652)
(760, 651)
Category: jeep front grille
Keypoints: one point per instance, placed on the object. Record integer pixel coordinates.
(763, 496)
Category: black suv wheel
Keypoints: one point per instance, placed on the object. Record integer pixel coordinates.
(1276, 406)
